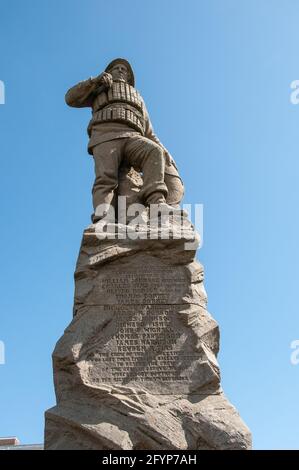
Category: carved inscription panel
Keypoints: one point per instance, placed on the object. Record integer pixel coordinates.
(144, 282)
(144, 344)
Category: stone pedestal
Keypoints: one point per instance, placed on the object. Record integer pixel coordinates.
(137, 367)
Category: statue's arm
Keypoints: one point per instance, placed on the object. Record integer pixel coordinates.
(149, 130)
(150, 134)
(83, 94)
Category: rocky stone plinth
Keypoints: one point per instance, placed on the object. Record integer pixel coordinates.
(137, 367)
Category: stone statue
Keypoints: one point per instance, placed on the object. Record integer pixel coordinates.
(120, 131)
(137, 366)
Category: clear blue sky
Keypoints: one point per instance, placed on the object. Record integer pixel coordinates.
(216, 77)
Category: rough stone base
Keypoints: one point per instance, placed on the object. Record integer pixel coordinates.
(159, 422)
(137, 367)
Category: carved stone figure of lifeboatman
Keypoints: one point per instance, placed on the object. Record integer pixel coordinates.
(121, 130)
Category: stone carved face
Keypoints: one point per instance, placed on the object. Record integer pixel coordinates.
(119, 72)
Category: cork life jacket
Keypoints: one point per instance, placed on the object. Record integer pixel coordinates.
(120, 103)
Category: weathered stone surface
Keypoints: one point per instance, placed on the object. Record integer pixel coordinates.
(137, 367)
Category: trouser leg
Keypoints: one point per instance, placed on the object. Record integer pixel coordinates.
(174, 185)
(148, 157)
(107, 159)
